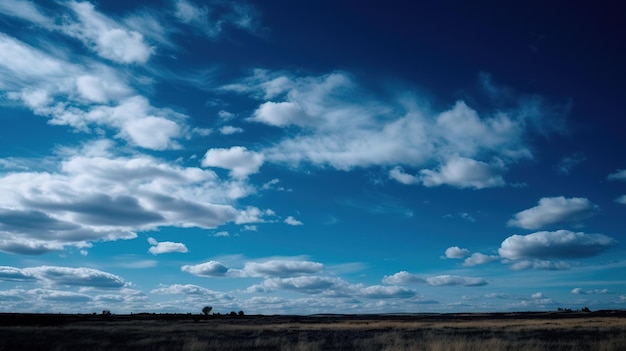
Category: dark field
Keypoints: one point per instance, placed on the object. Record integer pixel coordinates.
(491, 331)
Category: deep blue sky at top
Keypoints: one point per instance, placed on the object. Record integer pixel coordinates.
(453, 223)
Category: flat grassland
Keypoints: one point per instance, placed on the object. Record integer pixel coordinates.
(490, 331)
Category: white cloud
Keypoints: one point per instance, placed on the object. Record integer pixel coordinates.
(237, 159)
(305, 284)
(292, 221)
(281, 114)
(456, 252)
(207, 269)
(399, 175)
(540, 265)
(553, 211)
(621, 199)
(463, 172)
(106, 37)
(281, 268)
(620, 174)
(185, 289)
(403, 278)
(151, 132)
(21, 62)
(477, 258)
(211, 20)
(95, 196)
(101, 89)
(54, 275)
(331, 127)
(386, 292)
(558, 244)
(166, 247)
(85, 95)
(537, 295)
(442, 280)
(580, 291)
(25, 10)
(228, 130)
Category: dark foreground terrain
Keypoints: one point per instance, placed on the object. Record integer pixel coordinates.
(492, 331)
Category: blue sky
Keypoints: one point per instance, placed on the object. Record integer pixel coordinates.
(310, 157)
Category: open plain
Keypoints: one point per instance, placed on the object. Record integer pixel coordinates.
(474, 331)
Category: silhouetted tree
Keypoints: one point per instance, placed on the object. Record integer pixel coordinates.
(206, 310)
(241, 313)
(233, 313)
(586, 309)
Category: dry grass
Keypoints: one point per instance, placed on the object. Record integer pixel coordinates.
(366, 333)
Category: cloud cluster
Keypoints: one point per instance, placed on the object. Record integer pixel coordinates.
(97, 93)
(474, 259)
(305, 277)
(552, 211)
(329, 123)
(97, 196)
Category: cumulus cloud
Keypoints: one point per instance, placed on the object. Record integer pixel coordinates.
(477, 258)
(398, 174)
(207, 269)
(553, 211)
(228, 130)
(304, 284)
(281, 268)
(185, 289)
(456, 252)
(270, 268)
(403, 278)
(292, 221)
(54, 275)
(620, 174)
(537, 295)
(158, 248)
(14, 274)
(95, 196)
(463, 172)
(386, 292)
(559, 244)
(458, 172)
(621, 199)
(330, 127)
(240, 161)
(106, 37)
(443, 280)
(85, 96)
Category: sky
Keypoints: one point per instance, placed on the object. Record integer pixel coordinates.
(303, 157)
